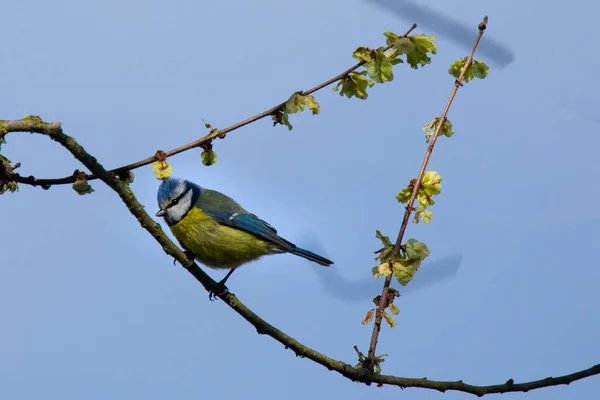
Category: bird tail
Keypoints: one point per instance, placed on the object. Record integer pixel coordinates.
(309, 255)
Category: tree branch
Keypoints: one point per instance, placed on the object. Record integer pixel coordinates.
(383, 300)
(363, 375)
(46, 183)
(357, 374)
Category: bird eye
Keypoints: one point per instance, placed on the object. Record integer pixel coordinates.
(175, 202)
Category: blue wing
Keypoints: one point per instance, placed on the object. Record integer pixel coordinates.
(225, 211)
(251, 224)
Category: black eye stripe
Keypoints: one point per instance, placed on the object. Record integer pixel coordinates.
(176, 200)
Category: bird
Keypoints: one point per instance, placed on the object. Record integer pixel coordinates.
(218, 232)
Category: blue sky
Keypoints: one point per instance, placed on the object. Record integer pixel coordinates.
(92, 308)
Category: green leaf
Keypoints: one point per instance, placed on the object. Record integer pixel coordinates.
(404, 195)
(82, 187)
(386, 254)
(447, 128)
(422, 46)
(162, 169)
(416, 47)
(354, 84)
(375, 272)
(383, 269)
(477, 69)
(404, 270)
(424, 199)
(312, 104)
(338, 84)
(431, 183)
(389, 319)
(379, 359)
(430, 128)
(391, 38)
(404, 45)
(480, 69)
(416, 250)
(377, 369)
(363, 54)
(394, 309)
(295, 103)
(281, 117)
(208, 157)
(422, 214)
(377, 64)
(8, 187)
(393, 55)
(385, 240)
(379, 67)
(457, 67)
(360, 84)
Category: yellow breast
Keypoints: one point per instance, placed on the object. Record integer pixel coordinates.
(216, 245)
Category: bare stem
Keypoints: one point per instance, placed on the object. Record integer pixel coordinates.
(409, 206)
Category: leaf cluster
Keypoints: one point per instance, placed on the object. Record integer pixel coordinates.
(295, 104)
(431, 185)
(378, 63)
(476, 69)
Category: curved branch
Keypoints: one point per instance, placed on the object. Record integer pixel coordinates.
(46, 183)
(363, 375)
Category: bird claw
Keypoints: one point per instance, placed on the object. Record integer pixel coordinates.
(212, 296)
(191, 256)
(221, 285)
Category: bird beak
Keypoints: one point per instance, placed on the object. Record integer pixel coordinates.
(160, 213)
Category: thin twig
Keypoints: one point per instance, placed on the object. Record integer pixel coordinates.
(409, 207)
(30, 180)
(361, 356)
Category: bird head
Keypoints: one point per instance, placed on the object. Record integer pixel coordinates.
(175, 198)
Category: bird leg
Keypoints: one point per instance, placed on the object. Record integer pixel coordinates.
(222, 288)
(212, 295)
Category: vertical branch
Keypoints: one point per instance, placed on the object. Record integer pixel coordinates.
(409, 206)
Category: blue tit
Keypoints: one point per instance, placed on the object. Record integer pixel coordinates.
(217, 231)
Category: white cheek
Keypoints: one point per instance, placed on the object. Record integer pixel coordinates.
(176, 213)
